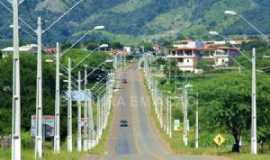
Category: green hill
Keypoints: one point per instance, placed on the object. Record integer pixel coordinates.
(153, 18)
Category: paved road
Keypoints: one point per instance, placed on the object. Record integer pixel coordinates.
(140, 140)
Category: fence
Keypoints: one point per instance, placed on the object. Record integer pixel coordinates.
(5, 142)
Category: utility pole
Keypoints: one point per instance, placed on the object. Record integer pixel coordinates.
(79, 138)
(102, 113)
(161, 111)
(39, 116)
(90, 123)
(57, 102)
(69, 112)
(167, 115)
(85, 115)
(185, 121)
(170, 117)
(115, 62)
(16, 95)
(144, 64)
(160, 108)
(98, 118)
(254, 107)
(197, 122)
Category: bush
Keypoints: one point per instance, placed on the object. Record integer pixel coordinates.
(27, 140)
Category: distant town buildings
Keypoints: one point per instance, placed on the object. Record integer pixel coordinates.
(29, 48)
(122, 52)
(50, 50)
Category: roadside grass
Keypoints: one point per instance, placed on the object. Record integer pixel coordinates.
(100, 149)
(244, 156)
(176, 143)
(28, 154)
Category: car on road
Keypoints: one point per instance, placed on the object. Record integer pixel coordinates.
(123, 123)
(124, 81)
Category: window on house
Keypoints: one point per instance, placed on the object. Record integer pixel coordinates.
(180, 53)
(181, 60)
(189, 53)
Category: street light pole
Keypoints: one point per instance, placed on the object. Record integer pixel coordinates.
(102, 113)
(16, 95)
(90, 123)
(197, 122)
(38, 139)
(57, 102)
(167, 115)
(79, 140)
(161, 111)
(254, 107)
(98, 118)
(185, 121)
(170, 115)
(69, 112)
(85, 115)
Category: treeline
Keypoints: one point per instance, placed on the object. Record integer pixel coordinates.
(28, 85)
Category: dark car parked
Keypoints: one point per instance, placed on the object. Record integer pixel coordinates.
(123, 123)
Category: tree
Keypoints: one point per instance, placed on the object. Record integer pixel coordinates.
(117, 45)
(205, 65)
(28, 87)
(226, 101)
(172, 70)
(147, 46)
(92, 45)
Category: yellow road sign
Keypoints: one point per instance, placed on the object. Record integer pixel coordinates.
(219, 140)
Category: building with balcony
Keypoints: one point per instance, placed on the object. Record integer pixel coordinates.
(188, 53)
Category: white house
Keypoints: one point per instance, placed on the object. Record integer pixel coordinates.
(127, 49)
(221, 58)
(186, 53)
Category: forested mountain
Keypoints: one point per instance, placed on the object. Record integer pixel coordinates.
(139, 17)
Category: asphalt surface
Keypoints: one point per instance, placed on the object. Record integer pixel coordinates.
(140, 140)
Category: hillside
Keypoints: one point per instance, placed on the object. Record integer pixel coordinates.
(136, 17)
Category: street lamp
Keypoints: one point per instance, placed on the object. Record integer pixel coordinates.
(84, 58)
(99, 27)
(214, 33)
(96, 28)
(104, 46)
(49, 60)
(234, 13)
(230, 12)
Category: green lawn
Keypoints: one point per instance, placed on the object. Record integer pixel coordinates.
(248, 157)
(28, 154)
